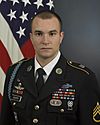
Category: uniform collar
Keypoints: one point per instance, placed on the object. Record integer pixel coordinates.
(48, 68)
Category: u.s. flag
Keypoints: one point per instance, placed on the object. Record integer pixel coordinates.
(15, 18)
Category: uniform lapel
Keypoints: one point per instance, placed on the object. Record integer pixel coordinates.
(56, 79)
(28, 78)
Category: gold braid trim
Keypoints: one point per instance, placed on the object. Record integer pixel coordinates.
(77, 67)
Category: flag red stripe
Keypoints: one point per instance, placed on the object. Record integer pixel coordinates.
(28, 49)
(5, 60)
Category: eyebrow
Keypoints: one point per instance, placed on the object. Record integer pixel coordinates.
(53, 31)
(36, 31)
(42, 31)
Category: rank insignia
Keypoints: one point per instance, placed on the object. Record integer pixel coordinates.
(96, 113)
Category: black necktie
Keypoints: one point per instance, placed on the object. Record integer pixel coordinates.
(40, 79)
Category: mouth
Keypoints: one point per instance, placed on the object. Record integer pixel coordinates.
(46, 48)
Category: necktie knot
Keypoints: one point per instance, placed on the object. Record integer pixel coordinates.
(41, 72)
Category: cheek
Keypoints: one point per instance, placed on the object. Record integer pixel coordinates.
(35, 45)
(56, 43)
(37, 41)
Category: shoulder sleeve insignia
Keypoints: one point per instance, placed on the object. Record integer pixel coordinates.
(78, 66)
(96, 113)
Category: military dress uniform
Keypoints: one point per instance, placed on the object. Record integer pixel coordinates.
(70, 96)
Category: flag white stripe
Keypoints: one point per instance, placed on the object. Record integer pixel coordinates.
(9, 41)
(2, 80)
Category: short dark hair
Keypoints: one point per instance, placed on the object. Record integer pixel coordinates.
(48, 15)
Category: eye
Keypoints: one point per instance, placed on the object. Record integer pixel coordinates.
(38, 33)
(52, 33)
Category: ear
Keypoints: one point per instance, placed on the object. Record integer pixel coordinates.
(61, 36)
(31, 36)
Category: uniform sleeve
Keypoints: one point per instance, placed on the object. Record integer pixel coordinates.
(89, 102)
(7, 116)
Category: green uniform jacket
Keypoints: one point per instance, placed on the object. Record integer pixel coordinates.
(70, 96)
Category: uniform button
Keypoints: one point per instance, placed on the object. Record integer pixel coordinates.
(35, 120)
(61, 110)
(37, 107)
(14, 103)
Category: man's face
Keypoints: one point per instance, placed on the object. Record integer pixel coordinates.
(46, 37)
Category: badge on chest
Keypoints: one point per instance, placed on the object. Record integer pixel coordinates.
(65, 94)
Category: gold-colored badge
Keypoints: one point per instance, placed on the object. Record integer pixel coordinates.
(96, 113)
(59, 71)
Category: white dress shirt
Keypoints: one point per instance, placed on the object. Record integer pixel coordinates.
(47, 68)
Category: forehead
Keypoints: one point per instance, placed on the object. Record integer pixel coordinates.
(41, 24)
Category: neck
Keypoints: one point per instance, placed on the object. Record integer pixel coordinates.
(44, 61)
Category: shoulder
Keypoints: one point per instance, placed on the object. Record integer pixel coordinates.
(18, 67)
(23, 61)
(79, 67)
(19, 64)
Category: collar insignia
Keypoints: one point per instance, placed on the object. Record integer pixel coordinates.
(59, 71)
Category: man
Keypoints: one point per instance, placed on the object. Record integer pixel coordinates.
(69, 94)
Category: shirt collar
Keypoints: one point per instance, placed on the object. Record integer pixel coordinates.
(48, 68)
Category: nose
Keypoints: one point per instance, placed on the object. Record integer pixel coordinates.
(46, 39)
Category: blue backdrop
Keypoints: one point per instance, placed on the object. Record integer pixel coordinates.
(81, 24)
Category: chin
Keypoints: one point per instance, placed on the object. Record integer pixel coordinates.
(46, 56)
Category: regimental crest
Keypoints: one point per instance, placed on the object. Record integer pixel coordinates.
(96, 113)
